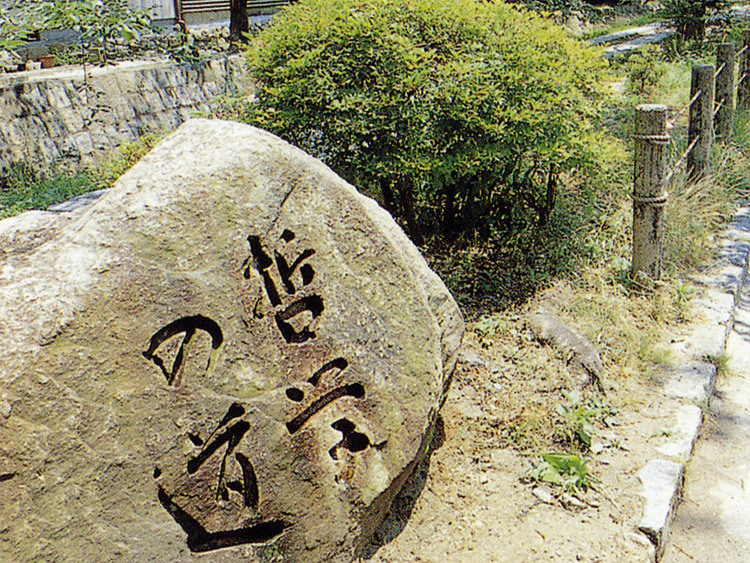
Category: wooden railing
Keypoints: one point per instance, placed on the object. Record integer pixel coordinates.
(712, 110)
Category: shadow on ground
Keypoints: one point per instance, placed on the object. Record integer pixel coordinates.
(403, 505)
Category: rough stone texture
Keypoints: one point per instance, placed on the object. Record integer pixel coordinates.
(721, 305)
(683, 434)
(662, 483)
(66, 116)
(693, 381)
(622, 42)
(579, 351)
(180, 372)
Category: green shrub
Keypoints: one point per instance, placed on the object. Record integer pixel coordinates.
(644, 71)
(457, 116)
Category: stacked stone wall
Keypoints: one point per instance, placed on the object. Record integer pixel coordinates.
(68, 116)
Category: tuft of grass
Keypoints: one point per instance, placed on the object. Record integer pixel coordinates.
(697, 210)
(108, 170)
(527, 432)
(721, 363)
(22, 189)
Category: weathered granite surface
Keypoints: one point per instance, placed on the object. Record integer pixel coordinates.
(231, 355)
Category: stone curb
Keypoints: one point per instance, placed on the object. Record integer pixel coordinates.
(693, 382)
(622, 42)
(642, 31)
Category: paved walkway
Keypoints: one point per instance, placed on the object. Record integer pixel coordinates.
(622, 42)
(712, 523)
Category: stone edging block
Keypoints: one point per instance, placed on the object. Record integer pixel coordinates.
(694, 381)
(662, 485)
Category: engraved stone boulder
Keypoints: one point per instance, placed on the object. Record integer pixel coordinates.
(230, 356)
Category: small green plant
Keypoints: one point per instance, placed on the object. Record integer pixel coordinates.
(577, 418)
(270, 553)
(488, 327)
(579, 414)
(569, 471)
(185, 50)
(645, 71)
(720, 362)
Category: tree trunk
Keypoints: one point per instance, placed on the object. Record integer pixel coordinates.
(238, 23)
(410, 215)
(550, 198)
(449, 211)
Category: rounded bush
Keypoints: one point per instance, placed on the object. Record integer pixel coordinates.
(454, 115)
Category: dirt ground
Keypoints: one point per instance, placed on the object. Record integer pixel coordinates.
(472, 498)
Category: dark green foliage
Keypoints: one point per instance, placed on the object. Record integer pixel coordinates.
(101, 24)
(505, 270)
(644, 71)
(457, 116)
(564, 7)
(690, 18)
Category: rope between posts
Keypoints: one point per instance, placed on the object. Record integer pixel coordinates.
(718, 71)
(687, 107)
(718, 107)
(679, 162)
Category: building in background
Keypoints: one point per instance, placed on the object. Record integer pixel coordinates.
(201, 11)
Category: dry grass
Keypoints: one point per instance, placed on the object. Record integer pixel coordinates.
(630, 327)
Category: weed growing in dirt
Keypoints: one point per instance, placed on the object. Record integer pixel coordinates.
(488, 328)
(578, 416)
(526, 432)
(566, 470)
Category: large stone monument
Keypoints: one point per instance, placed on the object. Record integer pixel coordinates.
(230, 356)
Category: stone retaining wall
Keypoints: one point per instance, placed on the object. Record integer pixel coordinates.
(66, 117)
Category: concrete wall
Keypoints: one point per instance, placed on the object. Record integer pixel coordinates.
(157, 9)
(66, 117)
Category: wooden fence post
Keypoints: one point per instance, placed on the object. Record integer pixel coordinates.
(701, 121)
(649, 197)
(725, 92)
(743, 74)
